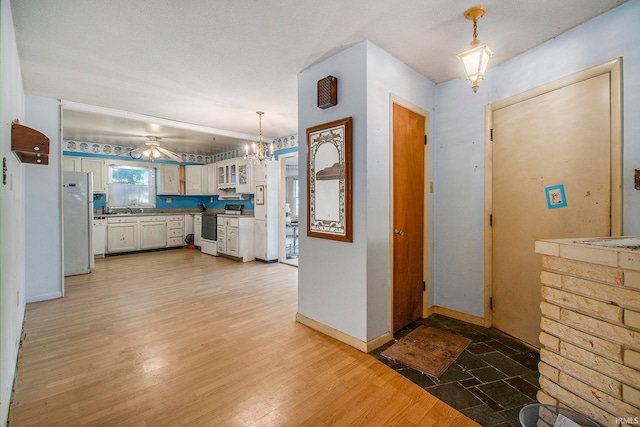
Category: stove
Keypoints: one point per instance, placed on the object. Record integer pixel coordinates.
(233, 209)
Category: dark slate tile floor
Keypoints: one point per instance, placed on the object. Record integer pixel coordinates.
(490, 382)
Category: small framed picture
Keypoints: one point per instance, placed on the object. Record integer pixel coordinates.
(555, 196)
(259, 195)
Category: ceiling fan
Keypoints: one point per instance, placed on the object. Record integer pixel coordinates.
(152, 150)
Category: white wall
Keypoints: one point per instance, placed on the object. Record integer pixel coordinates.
(43, 218)
(12, 239)
(346, 285)
(459, 147)
(332, 277)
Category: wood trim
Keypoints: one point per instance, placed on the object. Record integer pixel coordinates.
(465, 317)
(617, 225)
(488, 203)
(333, 333)
(395, 99)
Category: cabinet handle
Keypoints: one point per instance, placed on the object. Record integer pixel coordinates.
(398, 232)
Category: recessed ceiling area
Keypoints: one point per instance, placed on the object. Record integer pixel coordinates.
(214, 64)
(114, 130)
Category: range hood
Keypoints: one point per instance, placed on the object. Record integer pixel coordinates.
(230, 194)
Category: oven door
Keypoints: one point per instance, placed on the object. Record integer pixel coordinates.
(209, 227)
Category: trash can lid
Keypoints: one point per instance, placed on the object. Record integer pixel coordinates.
(553, 415)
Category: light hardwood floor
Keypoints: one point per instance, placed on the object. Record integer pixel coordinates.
(180, 338)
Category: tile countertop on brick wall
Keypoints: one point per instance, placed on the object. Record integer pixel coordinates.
(590, 355)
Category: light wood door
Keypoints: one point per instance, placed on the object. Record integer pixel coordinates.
(558, 138)
(408, 215)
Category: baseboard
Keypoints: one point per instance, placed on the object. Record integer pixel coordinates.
(379, 341)
(465, 317)
(44, 297)
(333, 333)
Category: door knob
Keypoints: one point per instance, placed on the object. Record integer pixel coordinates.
(398, 232)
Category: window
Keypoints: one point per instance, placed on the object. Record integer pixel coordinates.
(131, 186)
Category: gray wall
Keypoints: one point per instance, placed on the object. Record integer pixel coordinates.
(459, 145)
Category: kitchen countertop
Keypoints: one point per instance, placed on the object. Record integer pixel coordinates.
(170, 212)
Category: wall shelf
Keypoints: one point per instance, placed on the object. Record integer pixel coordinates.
(29, 145)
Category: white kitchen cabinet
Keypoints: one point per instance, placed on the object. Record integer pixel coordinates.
(212, 183)
(197, 230)
(71, 164)
(168, 179)
(244, 183)
(153, 232)
(99, 169)
(267, 214)
(175, 230)
(122, 234)
(235, 237)
(226, 175)
(196, 179)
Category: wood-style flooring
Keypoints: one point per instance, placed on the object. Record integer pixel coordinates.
(180, 338)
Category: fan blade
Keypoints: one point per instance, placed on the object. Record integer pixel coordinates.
(126, 151)
(170, 154)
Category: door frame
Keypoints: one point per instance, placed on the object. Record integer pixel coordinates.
(612, 67)
(282, 199)
(394, 99)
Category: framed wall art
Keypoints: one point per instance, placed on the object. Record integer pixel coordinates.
(259, 196)
(329, 181)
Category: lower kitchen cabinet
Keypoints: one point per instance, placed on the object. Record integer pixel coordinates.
(153, 232)
(122, 234)
(197, 230)
(235, 237)
(175, 230)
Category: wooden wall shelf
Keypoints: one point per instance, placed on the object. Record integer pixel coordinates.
(29, 145)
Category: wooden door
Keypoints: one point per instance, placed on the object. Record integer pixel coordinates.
(557, 138)
(408, 215)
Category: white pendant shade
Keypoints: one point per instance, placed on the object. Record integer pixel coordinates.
(475, 62)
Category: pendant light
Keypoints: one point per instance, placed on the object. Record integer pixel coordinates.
(476, 59)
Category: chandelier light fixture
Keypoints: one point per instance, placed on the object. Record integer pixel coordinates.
(260, 151)
(476, 59)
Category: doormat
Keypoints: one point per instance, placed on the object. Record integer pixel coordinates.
(428, 350)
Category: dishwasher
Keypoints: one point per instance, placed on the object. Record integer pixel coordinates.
(99, 236)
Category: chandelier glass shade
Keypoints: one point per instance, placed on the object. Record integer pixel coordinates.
(260, 151)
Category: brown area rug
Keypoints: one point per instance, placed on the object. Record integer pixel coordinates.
(428, 350)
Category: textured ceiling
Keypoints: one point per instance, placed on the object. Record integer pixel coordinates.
(215, 63)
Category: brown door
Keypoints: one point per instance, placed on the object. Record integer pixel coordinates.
(558, 138)
(408, 215)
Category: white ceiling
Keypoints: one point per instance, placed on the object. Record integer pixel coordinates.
(214, 63)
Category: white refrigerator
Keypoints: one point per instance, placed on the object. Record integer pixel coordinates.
(77, 211)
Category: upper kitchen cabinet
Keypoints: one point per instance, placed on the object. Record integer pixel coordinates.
(71, 164)
(226, 174)
(29, 145)
(212, 175)
(234, 176)
(245, 176)
(168, 179)
(196, 178)
(99, 169)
